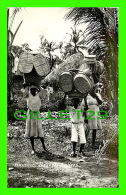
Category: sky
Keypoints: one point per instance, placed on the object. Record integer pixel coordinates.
(46, 21)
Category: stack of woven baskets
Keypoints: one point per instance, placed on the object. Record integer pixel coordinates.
(75, 83)
(34, 67)
(78, 82)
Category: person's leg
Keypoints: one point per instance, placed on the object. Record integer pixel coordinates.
(82, 148)
(82, 136)
(32, 144)
(73, 154)
(87, 131)
(74, 147)
(42, 141)
(93, 137)
(74, 139)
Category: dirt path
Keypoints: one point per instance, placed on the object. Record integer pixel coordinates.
(56, 169)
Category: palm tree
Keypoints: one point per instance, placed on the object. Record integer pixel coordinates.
(77, 40)
(47, 47)
(11, 37)
(101, 37)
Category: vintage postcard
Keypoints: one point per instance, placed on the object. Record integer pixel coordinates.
(62, 97)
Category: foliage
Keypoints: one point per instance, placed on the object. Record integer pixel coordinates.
(110, 132)
(55, 102)
(48, 48)
(77, 40)
(11, 37)
(101, 37)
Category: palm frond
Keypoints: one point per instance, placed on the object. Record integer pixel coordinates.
(101, 36)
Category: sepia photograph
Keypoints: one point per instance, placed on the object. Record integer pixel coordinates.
(62, 97)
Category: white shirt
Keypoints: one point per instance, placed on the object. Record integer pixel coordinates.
(93, 101)
(34, 102)
(76, 115)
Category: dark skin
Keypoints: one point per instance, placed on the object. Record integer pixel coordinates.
(94, 95)
(75, 104)
(42, 141)
(33, 92)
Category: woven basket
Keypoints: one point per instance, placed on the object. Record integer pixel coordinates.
(66, 81)
(83, 66)
(41, 64)
(25, 64)
(82, 83)
(27, 61)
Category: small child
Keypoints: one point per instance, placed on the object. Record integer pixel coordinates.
(77, 119)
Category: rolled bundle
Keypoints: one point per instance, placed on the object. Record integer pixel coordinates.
(66, 82)
(72, 62)
(82, 83)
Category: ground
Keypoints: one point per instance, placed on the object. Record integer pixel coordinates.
(57, 169)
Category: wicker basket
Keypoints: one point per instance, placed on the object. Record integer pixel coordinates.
(25, 64)
(27, 61)
(82, 83)
(66, 82)
(41, 64)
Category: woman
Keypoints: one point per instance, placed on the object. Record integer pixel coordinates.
(93, 101)
(33, 123)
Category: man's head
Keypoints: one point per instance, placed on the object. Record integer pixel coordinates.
(75, 102)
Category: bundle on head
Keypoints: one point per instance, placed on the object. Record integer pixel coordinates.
(72, 62)
(33, 66)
